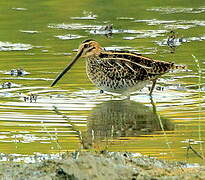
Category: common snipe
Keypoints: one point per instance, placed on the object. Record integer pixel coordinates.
(119, 71)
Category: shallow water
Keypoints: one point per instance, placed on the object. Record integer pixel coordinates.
(39, 38)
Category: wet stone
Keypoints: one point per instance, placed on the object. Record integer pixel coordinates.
(8, 46)
(69, 36)
(19, 9)
(31, 98)
(86, 16)
(178, 10)
(29, 31)
(6, 85)
(17, 72)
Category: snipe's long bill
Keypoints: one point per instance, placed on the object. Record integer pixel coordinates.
(119, 71)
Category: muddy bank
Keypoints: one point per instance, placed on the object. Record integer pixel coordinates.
(103, 166)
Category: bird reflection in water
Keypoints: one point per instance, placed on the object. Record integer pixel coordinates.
(122, 118)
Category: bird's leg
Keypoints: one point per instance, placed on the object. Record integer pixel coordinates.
(153, 85)
(153, 105)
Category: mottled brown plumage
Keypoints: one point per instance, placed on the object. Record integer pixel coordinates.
(119, 71)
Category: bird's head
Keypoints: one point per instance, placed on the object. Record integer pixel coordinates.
(89, 48)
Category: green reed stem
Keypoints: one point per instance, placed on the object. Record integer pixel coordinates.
(71, 123)
(200, 98)
(161, 126)
(51, 136)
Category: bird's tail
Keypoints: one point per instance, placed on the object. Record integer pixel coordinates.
(177, 66)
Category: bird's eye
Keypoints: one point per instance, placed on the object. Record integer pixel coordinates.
(86, 45)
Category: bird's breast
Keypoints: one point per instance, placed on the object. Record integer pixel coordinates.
(109, 77)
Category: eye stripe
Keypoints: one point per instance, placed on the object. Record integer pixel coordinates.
(91, 49)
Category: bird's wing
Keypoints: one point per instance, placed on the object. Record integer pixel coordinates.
(124, 68)
(137, 63)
